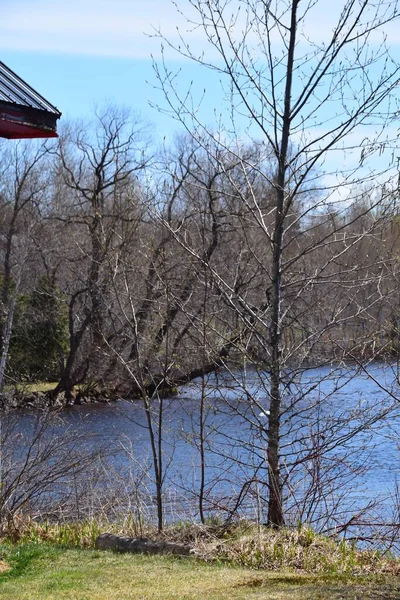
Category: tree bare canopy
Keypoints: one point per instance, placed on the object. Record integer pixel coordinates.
(322, 101)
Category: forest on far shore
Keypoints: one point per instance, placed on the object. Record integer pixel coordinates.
(138, 270)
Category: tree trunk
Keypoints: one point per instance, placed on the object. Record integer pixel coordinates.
(275, 505)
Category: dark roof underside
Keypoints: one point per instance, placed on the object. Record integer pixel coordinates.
(23, 112)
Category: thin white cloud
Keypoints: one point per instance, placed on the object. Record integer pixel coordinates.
(118, 28)
(122, 27)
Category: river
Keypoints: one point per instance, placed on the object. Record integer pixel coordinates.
(340, 449)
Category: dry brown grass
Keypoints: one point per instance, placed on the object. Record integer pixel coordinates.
(4, 566)
(300, 550)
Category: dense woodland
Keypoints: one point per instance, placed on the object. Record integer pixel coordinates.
(136, 270)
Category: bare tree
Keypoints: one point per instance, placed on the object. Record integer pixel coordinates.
(99, 170)
(41, 461)
(306, 98)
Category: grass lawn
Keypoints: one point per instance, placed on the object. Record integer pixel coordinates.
(45, 572)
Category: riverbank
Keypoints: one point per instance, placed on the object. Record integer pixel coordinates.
(296, 564)
(41, 396)
(239, 544)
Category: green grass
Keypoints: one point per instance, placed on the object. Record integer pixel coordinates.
(37, 386)
(74, 534)
(48, 572)
(242, 544)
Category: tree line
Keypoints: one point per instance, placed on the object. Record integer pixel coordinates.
(144, 271)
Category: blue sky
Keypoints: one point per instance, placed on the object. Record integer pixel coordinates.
(79, 53)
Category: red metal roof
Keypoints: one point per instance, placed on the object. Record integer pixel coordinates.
(17, 125)
(23, 112)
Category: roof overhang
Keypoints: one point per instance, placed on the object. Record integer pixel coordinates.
(24, 113)
(25, 123)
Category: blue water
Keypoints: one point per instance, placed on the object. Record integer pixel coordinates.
(340, 446)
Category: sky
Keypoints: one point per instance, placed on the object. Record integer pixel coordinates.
(80, 54)
(84, 53)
